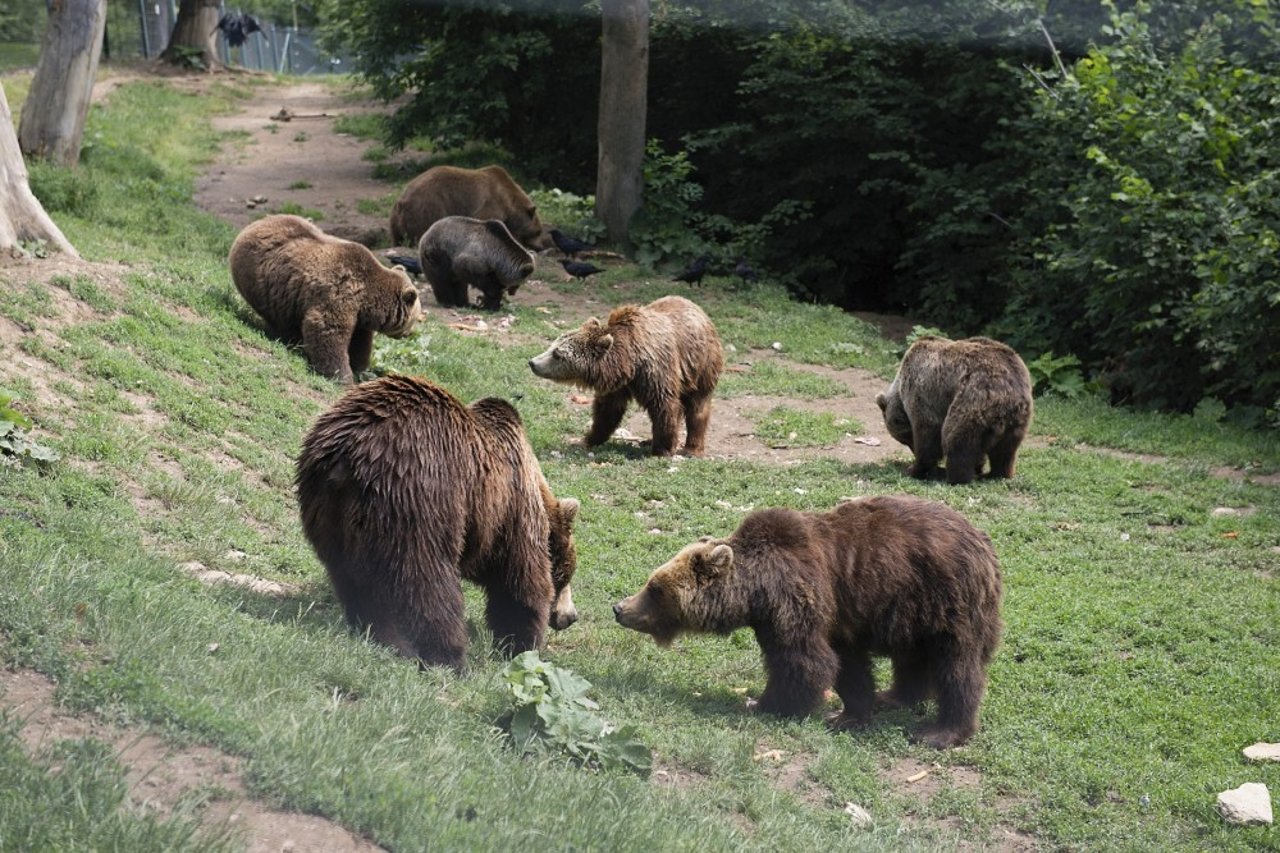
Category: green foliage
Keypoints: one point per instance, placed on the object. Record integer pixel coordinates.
(552, 713)
(1056, 375)
(14, 441)
(292, 207)
(575, 214)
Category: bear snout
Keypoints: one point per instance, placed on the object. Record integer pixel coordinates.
(617, 611)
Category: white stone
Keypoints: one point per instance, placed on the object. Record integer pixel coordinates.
(1263, 752)
(859, 817)
(1248, 804)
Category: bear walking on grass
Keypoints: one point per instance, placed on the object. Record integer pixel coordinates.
(487, 193)
(458, 251)
(329, 295)
(824, 591)
(665, 355)
(965, 400)
(404, 491)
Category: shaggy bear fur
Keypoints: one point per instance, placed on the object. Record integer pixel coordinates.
(487, 193)
(328, 294)
(404, 491)
(824, 591)
(665, 355)
(459, 251)
(965, 400)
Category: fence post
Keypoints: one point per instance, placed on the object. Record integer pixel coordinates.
(142, 23)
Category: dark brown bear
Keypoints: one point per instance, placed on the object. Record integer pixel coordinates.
(966, 400)
(824, 591)
(487, 193)
(665, 355)
(329, 295)
(404, 491)
(458, 251)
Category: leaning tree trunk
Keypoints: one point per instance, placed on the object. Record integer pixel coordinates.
(193, 34)
(22, 219)
(624, 81)
(53, 116)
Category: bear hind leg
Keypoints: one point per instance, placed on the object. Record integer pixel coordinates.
(960, 680)
(910, 681)
(697, 416)
(664, 415)
(855, 685)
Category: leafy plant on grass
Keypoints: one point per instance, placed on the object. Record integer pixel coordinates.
(553, 714)
(1057, 375)
(14, 441)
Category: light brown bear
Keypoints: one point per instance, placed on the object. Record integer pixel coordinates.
(966, 400)
(458, 251)
(487, 193)
(404, 491)
(824, 591)
(328, 294)
(665, 355)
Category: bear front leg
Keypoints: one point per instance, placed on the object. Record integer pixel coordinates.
(326, 342)
(360, 350)
(517, 626)
(448, 290)
(697, 415)
(926, 440)
(963, 449)
(606, 413)
(1004, 453)
(664, 415)
(798, 676)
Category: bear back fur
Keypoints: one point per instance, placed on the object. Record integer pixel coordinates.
(321, 291)
(486, 193)
(963, 400)
(404, 490)
(459, 251)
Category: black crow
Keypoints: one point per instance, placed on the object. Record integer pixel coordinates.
(578, 269)
(744, 271)
(237, 27)
(410, 265)
(569, 245)
(695, 271)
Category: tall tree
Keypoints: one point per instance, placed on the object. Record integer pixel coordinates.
(22, 218)
(193, 34)
(53, 116)
(624, 81)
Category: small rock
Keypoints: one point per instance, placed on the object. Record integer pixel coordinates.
(1124, 537)
(234, 555)
(213, 647)
(859, 817)
(250, 205)
(776, 346)
(1263, 752)
(868, 440)
(1225, 511)
(1248, 804)
(258, 199)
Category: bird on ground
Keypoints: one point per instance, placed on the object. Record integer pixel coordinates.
(695, 271)
(410, 265)
(744, 271)
(237, 27)
(578, 269)
(569, 245)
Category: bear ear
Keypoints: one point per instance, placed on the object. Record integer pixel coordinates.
(882, 401)
(716, 562)
(605, 342)
(409, 297)
(592, 323)
(569, 509)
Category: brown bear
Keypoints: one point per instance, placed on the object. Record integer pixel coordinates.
(665, 355)
(966, 400)
(404, 491)
(824, 591)
(458, 251)
(328, 294)
(488, 193)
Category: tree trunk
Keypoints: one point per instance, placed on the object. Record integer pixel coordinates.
(53, 117)
(624, 82)
(22, 218)
(193, 34)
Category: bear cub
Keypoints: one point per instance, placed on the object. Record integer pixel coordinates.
(665, 355)
(458, 251)
(824, 591)
(328, 294)
(404, 492)
(965, 400)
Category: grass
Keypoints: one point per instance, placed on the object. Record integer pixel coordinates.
(1140, 652)
(15, 55)
(783, 426)
(312, 213)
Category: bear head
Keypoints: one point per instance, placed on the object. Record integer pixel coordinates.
(572, 358)
(391, 305)
(673, 601)
(511, 262)
(564, 560)
(895, 415)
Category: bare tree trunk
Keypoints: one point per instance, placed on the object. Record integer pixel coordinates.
(22, 218)
(624, 83)
(53, 117)
(193, 34)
